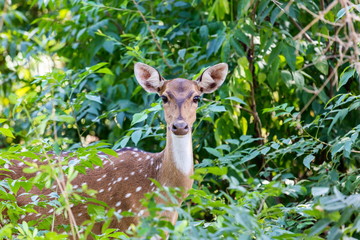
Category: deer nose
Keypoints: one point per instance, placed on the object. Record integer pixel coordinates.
(180, 127)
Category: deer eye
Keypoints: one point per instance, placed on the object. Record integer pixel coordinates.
(164, 99)
(196, 99)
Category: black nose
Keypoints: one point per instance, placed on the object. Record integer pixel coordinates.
(180, 127)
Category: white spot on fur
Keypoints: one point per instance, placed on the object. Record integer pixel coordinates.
(118, 204)
(141, 213)
(126, 178)
(101, 190)
(138, 189)
(128, 195)
(132, 173)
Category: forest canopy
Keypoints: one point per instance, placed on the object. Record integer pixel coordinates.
(276, 148)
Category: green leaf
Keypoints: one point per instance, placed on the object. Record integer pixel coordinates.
(299, 79)
(97, 66)
(105, 70)
(109, 46)
(319, 227)
(216, 108)
(265, 150)
(219, 171)
(249, 157)
(3, 120)
(204, 34)
(29, 155)
(93, 98)
(213, 151)
(123, 142)
(64, 118)
(237, 47)
(135, 136)
(139, 117)
(322, 65)
(236, 99)
(182, 53)
(289, 53)
(109, 151)
(345, 76)
(339, 116)
(242, 37)
(6, 132)
(307, 160)
(275, 53)
(225, 51)
(319, 191)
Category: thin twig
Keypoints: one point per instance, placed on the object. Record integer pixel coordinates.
(251, 59)
(61, 185)
(321, 17)
(315, 20)
(152, 34)
(2, 19)
(292, 20)
(320, 89)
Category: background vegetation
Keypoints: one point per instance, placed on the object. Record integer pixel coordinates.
(276, 148)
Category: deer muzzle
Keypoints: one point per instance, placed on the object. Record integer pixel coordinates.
(180, 127)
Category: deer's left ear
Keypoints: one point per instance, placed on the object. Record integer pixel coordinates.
(212, 78)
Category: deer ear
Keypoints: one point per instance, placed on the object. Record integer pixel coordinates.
(148, 77)
(212, 78)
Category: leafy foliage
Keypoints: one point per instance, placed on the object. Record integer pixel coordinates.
(281, 159)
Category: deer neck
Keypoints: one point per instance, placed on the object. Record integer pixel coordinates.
(178, 160)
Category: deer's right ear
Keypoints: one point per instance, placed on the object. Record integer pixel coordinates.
(148, 77)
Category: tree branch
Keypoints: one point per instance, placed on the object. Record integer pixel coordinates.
(152, 34)
(315, 20)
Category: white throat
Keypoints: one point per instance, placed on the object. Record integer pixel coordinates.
(182, 152)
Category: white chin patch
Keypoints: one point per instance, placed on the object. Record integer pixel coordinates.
(182, 152)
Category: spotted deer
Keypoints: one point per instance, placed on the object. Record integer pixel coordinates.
(124, 179)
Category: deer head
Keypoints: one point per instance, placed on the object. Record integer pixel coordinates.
(180, 96)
